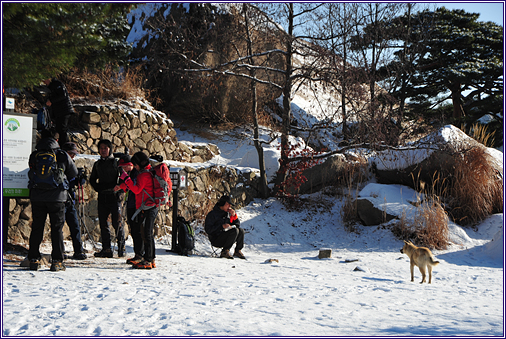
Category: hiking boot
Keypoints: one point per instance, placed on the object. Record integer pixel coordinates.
(57, 266)
(79, 256)
(143, 265)
(104, 253)
(34, 264)
(135, 260)
(238, 254)
(153, 265)
(226, 254)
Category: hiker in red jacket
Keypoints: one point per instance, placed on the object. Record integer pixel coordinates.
(146, 208)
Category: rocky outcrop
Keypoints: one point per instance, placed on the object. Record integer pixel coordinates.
(335, 170)
(430, 156)
(467, 175)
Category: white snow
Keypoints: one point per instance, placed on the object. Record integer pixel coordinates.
(282, 289)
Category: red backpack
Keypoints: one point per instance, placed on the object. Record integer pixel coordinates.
(162, 185)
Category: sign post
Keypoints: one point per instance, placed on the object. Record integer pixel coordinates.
(19, 135)
(179, 181)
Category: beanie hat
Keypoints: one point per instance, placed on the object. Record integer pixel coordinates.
(125, 162)
(70, 147)
(224, 199)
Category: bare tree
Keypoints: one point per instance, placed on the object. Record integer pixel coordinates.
(334, 25)
(370, 43)
(264, 189)
(287, 61)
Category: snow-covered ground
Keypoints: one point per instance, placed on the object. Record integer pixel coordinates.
(282, 289)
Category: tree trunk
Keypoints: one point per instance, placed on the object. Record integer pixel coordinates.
(458, 110)
(264, 189)
(287, 103)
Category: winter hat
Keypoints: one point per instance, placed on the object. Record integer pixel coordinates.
(224, 199)
(125, 161)
(140, 158)
(70, 147)
(49, 133)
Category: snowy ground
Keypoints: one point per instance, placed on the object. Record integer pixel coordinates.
(282, 289)
(297, 295)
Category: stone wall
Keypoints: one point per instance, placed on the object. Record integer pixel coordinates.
(132, 127)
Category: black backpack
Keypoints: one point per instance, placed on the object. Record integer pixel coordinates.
(43, 119)
(186, 237)
(46, 173)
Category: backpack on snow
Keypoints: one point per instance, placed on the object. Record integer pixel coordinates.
(162, 186)
(185, 237)
(43, 119)
(46, 173)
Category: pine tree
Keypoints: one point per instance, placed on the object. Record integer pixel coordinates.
(42, 40)
(462, 57)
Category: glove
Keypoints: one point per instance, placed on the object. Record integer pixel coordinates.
(123, 175)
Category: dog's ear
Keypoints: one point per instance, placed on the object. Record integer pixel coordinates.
(405, 242)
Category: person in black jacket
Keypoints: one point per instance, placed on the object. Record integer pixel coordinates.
(46, 200)
(61, 107)
(71, 217)
(223, 228)
(103, 178)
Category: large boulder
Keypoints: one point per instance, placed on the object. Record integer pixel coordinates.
(377, 203)
(432, 155)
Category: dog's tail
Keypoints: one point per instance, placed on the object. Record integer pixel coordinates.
(433, 262)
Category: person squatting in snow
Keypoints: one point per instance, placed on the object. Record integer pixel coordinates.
(103, 178)
(143, 188)
(223, 228)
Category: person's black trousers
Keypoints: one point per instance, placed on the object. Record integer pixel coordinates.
(227, 239)
(148, 217)
(73, 223)
(109, 204)
(56, 211)
(136, 232)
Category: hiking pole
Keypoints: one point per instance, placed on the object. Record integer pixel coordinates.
(80, 213)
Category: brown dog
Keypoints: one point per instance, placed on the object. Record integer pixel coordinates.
(421, 257)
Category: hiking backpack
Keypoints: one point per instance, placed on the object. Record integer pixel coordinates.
(46, 173)
(43, 119)
(162, 186)
(185, 237)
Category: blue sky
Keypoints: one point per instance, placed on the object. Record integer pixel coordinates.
(489, 11)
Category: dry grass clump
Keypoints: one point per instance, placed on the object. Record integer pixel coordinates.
(480, 133)
(110, 82)
(476, 190)
(352, 177)
(429, 227)
(431, 223)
